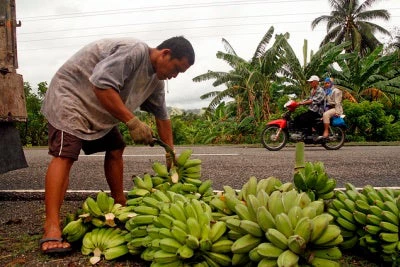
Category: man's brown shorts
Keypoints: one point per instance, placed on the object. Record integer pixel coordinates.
(62, 144)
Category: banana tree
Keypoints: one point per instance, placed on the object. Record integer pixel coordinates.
(373, 77)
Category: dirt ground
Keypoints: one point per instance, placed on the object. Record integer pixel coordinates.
(21, 228)
(21, 224)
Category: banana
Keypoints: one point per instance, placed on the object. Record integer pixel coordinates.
(309, 212)
(304, 228)
(337, 241)
(390, 217)
(297, 244)
(373, 219)
(185, 252)
(178, 212)
(319, 206)
(389, 237)
(194, 227)
(183, 157)
(275, 204)
(265, 219)
(346, 225)
(192, 163)
(103, 202)
(283, 224)
(350, 242)
(93, 207)
(269, 250)
(142, 219)
(138, 192)
(295, 214)
(192, 241)
(170, 245)
(220, 205)
(262, 197)
(157, 180)
(329, 186)
(319, 225)
(220, 258)
(160, 169)
(375, 210)
(322, 178)
(178, 234)
(360, 217)
(321, 262)
(217, 230)
(346, 215)
(243, 212)
(303, 200)
(205, 186)
(335, 213)
(139, 231)
(266, 262)
(115, 252)
(254, 256)
(146, 210)
(252, 205)
(372, 229)
(337, 204)
(288, 258)
(181, 225)
(299, 181)
(222, 246)
(251, 227)
(162, 256)
(277, 238)
(362, 205)
(391, 206)
(389, 227)
(289, 199)
(390, 248)
(331, 232)
(245, 243)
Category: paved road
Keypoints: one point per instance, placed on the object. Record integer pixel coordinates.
(225, 165)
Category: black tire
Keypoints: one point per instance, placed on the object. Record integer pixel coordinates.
(336, 138)
(267, 138)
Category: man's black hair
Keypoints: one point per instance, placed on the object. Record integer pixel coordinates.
(180, 47)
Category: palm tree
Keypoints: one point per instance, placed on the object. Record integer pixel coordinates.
(350, 21)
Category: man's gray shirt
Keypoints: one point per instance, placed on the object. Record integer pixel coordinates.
(70, 103)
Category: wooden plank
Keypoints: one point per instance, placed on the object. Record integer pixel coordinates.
(12, 98)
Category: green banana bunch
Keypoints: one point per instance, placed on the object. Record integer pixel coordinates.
(107, 242)
(75, 230)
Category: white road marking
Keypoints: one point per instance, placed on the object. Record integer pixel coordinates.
(157, 155)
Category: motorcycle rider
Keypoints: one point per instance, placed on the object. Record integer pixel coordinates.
(315, 106)
(333, 106)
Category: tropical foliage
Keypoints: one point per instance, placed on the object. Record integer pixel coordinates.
(351, 21)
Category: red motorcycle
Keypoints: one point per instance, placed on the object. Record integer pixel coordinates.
(278, 132)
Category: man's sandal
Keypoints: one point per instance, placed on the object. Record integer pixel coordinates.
(53, 250)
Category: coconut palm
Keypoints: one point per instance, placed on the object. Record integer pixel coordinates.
(350, 21)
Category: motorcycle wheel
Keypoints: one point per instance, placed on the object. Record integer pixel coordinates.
(336, 138)
(269, 140)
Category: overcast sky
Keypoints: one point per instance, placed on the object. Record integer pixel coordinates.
(53, 30)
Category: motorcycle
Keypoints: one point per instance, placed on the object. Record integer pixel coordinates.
(278, 132)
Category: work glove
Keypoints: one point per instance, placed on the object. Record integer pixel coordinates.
(140, 132)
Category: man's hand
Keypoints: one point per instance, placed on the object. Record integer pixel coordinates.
(140, 132)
